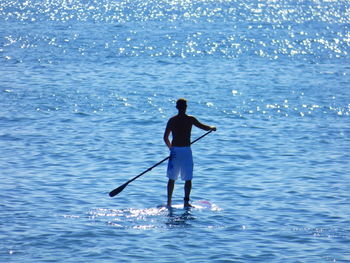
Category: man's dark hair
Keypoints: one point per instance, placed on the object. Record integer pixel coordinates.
(181, 104)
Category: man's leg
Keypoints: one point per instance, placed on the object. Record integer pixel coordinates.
(188, 187)
(171, 184)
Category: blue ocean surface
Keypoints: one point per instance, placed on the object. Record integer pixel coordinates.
(87, 87)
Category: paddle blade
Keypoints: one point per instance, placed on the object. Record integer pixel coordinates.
(118, 190)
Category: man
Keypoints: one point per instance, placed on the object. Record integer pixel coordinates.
(180, 161)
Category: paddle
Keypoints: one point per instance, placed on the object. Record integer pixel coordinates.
(121, 188)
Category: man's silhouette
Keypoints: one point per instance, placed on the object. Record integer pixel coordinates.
(181, 161)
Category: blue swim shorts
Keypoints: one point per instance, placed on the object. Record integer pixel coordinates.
(180, 163)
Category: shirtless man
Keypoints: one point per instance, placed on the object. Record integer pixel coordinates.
(180, 161)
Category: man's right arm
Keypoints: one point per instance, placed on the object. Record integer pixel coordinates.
(203, 126)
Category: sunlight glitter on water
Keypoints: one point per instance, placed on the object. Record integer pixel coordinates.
(271, 31)
(152, 217)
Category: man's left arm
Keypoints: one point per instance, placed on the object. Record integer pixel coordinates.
(166, 136)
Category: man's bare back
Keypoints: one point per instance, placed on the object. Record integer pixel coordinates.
(180, 127)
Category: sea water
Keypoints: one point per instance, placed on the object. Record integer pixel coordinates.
(86, 89)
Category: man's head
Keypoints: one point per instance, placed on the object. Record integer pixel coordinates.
(181, 105)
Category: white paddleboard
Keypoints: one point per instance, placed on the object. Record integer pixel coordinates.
(200, 204)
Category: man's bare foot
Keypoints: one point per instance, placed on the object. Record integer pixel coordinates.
(187, 205)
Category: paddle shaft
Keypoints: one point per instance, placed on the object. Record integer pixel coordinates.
(120, 188)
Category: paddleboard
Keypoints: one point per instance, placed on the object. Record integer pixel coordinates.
(200, 204)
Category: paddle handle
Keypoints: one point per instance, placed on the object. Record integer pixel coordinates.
(149, 169)
(205, 134)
